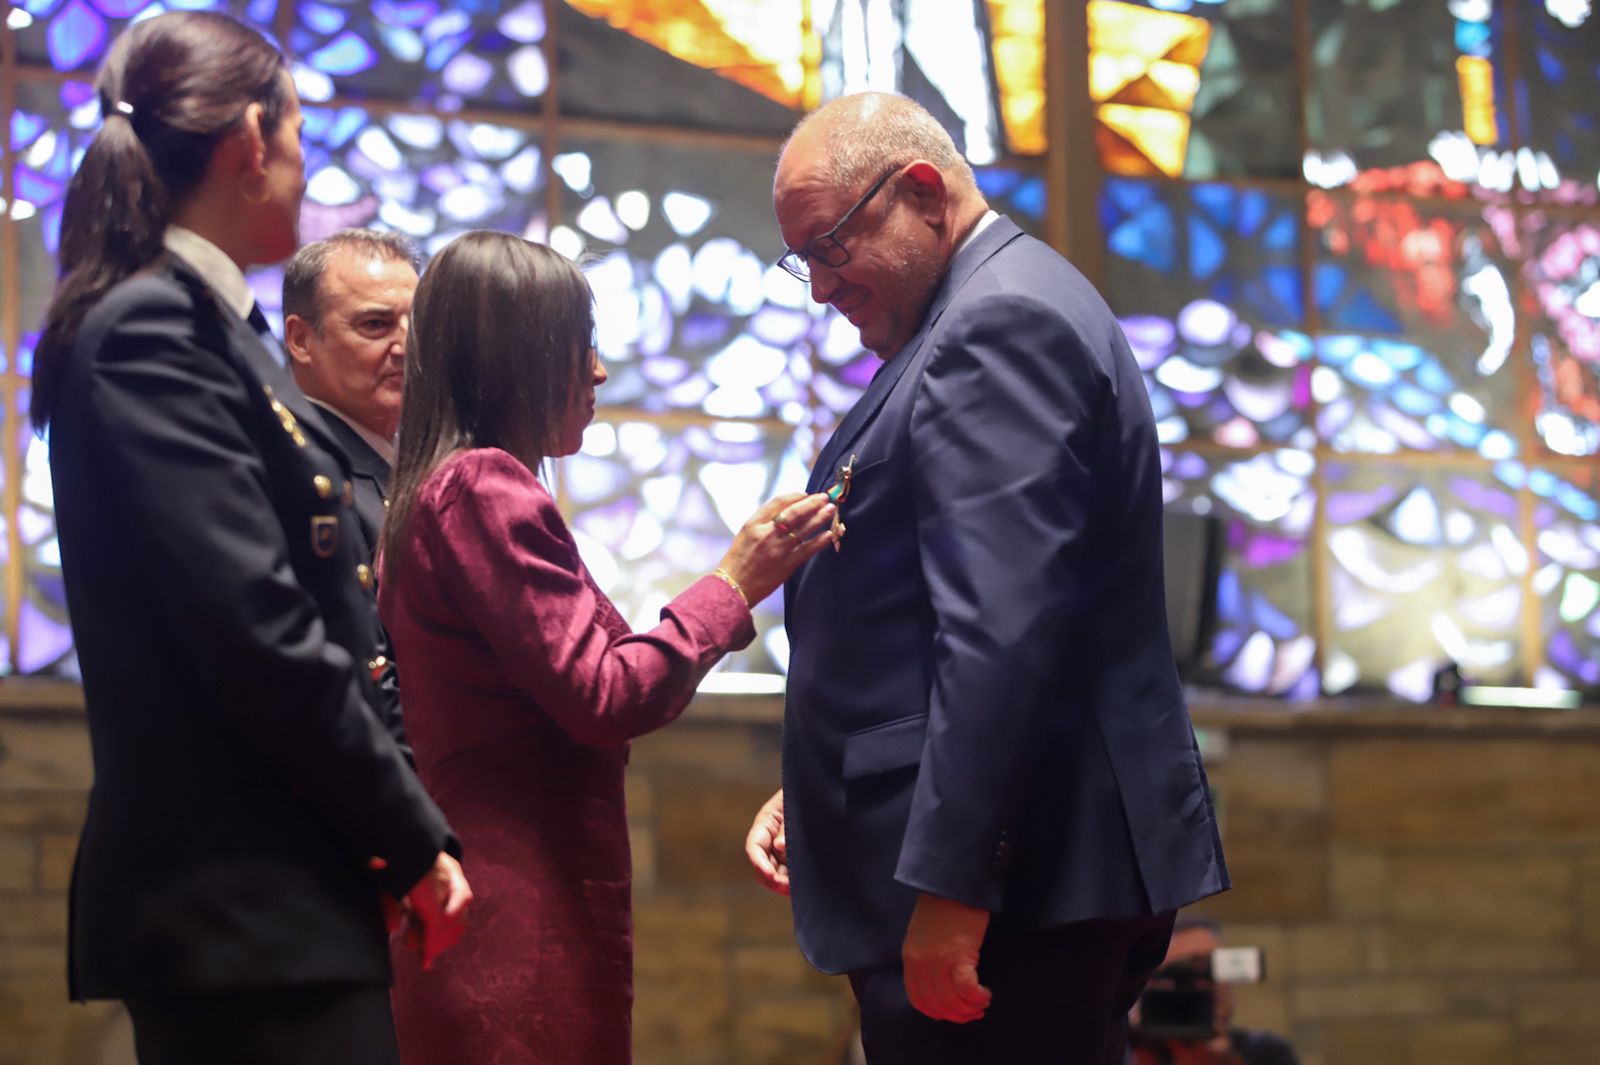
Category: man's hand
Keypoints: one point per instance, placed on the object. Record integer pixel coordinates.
(766, 847)
(439, 904)
(940, 956)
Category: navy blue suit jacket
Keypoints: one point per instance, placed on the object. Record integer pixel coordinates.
(982, 699)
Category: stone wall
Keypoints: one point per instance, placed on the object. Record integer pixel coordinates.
(1426, 886)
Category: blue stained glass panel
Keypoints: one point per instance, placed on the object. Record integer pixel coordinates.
(1020, 195)
(1205, 280)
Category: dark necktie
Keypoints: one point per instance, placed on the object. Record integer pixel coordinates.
(263, 328)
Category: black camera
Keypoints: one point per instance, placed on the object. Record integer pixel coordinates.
(1179, 1002)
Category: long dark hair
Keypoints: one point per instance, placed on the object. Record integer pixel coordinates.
(171, 88)
(495, 357)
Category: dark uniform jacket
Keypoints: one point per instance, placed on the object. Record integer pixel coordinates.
(215, 578)
(369, 474)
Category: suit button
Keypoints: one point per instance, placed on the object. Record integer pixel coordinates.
(323, 486)
(377, 666)
(364, 575)
(349, 494)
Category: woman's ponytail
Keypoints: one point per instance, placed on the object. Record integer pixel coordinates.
(170, 89)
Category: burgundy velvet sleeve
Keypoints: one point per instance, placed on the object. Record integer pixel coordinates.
(510, 565)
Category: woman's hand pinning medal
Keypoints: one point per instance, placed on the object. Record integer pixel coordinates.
(781, 534)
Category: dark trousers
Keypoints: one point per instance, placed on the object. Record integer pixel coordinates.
(1061, 996)
(330, 1024)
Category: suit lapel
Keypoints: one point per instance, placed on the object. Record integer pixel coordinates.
(1000, 233)
(364, 461)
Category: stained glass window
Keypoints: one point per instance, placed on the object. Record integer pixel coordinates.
(1567, 578)
(1264, 641)
(654, 508)
(1443, 178)
(1194, 89)
(1417, 305)
(931, 50)
(1205, 278)
(622, 53)
(756, 65)
(679, 245)
(484, 51)
(1017, 46)
(1562, 276)
(1560, 66)
(1426, 568)
(49, 130)
(1412, 88)
(44, 637)
(1018, 194)
(74, 34)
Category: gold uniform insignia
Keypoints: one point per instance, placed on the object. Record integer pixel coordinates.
(324, 535)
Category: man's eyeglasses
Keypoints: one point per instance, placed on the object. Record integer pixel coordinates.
(828, 249)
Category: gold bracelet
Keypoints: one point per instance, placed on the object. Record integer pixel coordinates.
(723, 574)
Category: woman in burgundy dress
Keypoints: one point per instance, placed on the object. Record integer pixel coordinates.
(523, 685)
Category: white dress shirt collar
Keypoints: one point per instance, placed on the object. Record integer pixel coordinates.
(212, 264)
(385, 448)
(988, 219)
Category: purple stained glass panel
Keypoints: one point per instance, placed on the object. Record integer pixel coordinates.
(1265, 502)
(73, 35)
(44, 636)
(49, 130)
(678, 244)
(427, 176)
(654, 508)
(427, 52)
(1561, 274)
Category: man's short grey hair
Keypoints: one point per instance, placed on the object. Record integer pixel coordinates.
(869, 132)
(302, 277)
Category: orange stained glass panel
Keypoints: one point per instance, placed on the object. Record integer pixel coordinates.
(1125, 29)
(1163, 136)
(761, 44)
(1017, 36)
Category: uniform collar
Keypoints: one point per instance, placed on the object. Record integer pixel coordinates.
(384, 448)
(214, 266)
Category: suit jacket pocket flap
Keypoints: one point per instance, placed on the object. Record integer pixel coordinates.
(884, 747)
